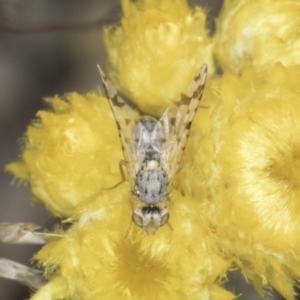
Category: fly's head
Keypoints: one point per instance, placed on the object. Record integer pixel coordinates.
(150, 218)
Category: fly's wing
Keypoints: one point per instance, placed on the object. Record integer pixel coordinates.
(125, 118)
(174, 125)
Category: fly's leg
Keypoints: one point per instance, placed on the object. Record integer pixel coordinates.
(203, 106)
(128, 230)
(178, 167)
(170, 226)
(131, 199)
(121, 164)
(168, 201)
(131, 222)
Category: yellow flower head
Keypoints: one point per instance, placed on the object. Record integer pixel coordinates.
(157, 50)
(96, 261)
(246, 172)
(64, 158)
(100, 254)
(258, 33)
(235, 198)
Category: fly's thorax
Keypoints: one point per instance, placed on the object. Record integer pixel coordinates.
(149, 122)
(151, 183)
(143, 129)
(150, 218)
(151, 154)
(146, 139)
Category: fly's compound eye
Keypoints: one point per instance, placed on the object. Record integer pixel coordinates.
(164, 217)
(137, 218)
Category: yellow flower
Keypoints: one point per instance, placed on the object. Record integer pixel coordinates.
(258, 33)
(246, 172)
(95, 261)
(157, 51)
(65, 156)
(68, 159)
(235, 200)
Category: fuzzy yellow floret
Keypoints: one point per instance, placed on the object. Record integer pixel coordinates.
(66, 152)
(99, 263)
(71, 153)
(258, 33)
(235, 199)
(56, 289)
(157, 50)
(246, 172)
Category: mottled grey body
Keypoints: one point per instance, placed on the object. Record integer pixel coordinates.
(151, 181)
(153, 148)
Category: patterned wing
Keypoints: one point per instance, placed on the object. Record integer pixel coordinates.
(174, 125)
(125, 118)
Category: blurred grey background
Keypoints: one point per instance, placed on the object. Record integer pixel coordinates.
(50, 47)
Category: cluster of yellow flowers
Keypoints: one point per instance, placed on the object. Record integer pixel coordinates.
(234, 202)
